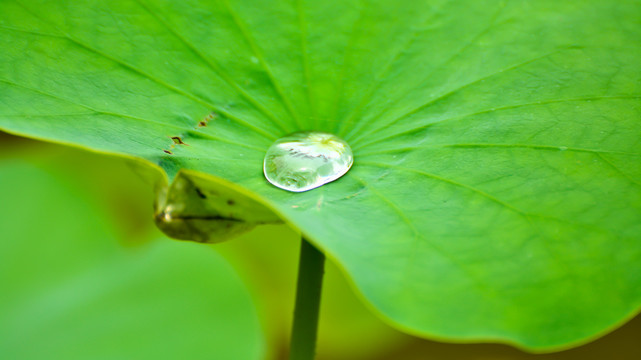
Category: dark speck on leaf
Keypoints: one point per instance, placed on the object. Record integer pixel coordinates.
(212, 115)
(178, 140)
(200, 193)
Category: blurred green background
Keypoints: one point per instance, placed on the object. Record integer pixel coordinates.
(86, 275)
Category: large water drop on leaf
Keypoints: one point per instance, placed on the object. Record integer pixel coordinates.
(306, 160)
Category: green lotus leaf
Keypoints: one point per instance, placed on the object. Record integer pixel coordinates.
(495, 191)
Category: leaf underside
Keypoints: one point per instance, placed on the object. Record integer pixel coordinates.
(495, 193)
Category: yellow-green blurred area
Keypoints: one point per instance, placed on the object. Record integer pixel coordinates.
(85, 275)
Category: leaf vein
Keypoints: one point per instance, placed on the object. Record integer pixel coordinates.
(214, 67)
(154, 79)
(497, 109)
(450, 93)
(417, 235)
(559, 149)
(261, 59)
(108, 113)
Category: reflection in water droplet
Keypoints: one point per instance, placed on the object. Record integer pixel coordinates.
(306, 160)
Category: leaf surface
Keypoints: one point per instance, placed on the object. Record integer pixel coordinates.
(495, 193)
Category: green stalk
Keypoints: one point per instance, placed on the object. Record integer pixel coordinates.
(308, 294)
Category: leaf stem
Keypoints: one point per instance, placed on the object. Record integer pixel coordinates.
(308, 295)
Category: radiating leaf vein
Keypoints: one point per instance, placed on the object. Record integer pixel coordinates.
(261, 59)
(215, 68)
(154, 79)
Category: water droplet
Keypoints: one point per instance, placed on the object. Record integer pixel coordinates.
(306, 160)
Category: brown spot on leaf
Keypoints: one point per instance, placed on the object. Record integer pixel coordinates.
(177, 140)
(212, 115)
(168, 152)
(231, 202)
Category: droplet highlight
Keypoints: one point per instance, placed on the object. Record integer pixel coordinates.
(305, 160)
